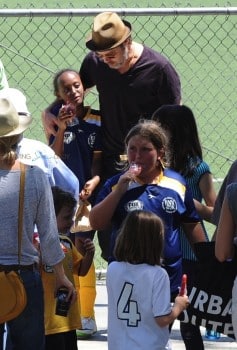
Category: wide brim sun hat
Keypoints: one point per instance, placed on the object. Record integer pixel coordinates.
(17, 98)
(12, 123)
(109, 31)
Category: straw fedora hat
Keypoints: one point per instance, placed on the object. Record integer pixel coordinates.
(109, 31)
(10, 122)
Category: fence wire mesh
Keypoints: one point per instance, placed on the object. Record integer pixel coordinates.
(201, 45)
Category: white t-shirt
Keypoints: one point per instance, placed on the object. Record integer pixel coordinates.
(136, 295)
(36, 153)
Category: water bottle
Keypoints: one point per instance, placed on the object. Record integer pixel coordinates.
(212, 335)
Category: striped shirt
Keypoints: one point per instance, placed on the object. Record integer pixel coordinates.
(193, 184)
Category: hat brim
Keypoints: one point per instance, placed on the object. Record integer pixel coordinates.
(91, 45)
(24, 123)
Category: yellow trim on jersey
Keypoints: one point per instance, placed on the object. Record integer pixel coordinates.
(173, 184)
(92, 118)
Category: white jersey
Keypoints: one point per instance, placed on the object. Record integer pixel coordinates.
(136, 295)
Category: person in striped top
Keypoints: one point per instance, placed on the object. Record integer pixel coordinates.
(186, 158)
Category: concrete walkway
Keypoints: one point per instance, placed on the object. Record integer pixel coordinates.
(99, 341)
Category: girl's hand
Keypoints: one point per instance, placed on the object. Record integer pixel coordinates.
(89, 246)
(181, 302)
(67, 111)
(89, 187)
(135, 169)
(66, 114)
(86, 246)
(129, 176)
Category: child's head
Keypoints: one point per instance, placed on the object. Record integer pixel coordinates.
(68, 86)
(140, 239)
(64, 205)
(180, 125)
(149, 131)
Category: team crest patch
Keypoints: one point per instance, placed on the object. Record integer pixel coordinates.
(68, 137)
(169, 205)
(91, 139)
(134, 205)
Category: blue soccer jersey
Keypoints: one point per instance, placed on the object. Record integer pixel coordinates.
(170, 200)
(81, 140)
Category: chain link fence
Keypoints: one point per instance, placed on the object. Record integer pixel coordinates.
(200, 42)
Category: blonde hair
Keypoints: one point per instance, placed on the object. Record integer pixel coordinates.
(140, 239)
(8, 147)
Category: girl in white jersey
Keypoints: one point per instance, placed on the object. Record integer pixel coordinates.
(139, 309)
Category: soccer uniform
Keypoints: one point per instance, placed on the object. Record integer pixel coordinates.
(81, 140)
(132, 308)
(171, 201)
(54, 323)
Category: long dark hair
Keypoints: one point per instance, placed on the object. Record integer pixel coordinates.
(184, 143)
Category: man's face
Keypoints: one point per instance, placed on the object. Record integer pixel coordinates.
(115, 58)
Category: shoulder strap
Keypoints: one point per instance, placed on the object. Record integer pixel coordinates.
(21, 209)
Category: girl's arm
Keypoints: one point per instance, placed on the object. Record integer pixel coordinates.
(91, 184)
(88, 255)
(58, 145)
(194, 232)
(101, 214)
(96, 167)
(180, 304)
(224, 247)
(209, 195)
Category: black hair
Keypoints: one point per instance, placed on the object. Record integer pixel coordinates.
(57, 76)
(185, 151)
(62, 199)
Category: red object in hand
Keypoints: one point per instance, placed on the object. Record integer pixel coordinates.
(183, 289)
(69, 109)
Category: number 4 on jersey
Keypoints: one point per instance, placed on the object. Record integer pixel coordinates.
(127, 308)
